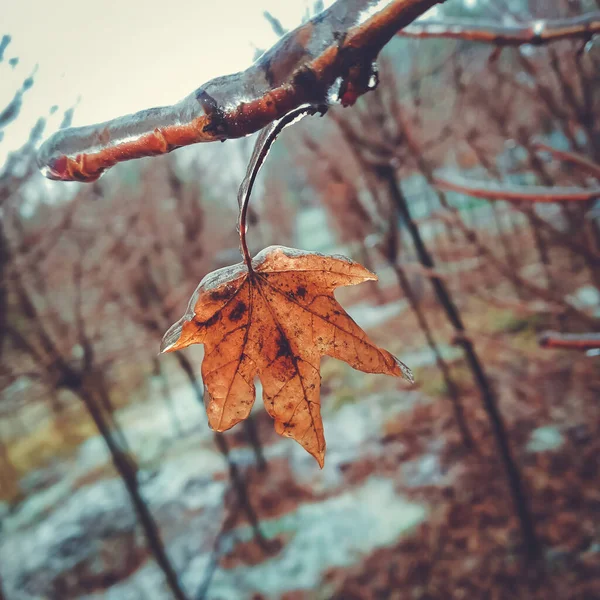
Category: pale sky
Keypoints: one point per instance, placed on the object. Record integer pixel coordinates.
(120, 56)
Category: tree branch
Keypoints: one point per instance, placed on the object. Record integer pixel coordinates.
(515, 193)
(536, 33)
(570, 341)
(573, 157)
(290, 74)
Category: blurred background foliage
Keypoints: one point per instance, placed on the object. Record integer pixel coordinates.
(112, 485)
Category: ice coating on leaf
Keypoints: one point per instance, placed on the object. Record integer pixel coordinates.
(213, 288)
(275, 323)
(339, 270)
(406, 372)
(225, 107)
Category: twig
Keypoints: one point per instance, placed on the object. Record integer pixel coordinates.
(216, 554)
(536, 290)
(536, 33)
(241, 489)
(573, 157)
(236, 476)
(515, 193)
(452, 388)
(570, 341)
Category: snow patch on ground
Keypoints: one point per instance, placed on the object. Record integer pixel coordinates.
(335, 533)
(544, 439)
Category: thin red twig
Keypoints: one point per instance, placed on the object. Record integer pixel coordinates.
(570, 341)
(515, 193)
(536, 33)
(577, 159)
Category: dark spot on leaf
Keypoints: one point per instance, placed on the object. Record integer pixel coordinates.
(283, 347)
(221, 294)
(238, 311)
(301, 291)
(210, 321)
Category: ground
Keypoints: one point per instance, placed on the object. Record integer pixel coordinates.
(401, 510)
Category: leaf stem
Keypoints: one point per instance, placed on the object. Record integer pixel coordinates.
(261, 150)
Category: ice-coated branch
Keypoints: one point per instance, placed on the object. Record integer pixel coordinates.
(536, 33)
(330, 57)
(515, 193)
(570, 341)
(573, 157)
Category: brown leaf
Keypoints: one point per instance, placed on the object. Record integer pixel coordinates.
(275, 323)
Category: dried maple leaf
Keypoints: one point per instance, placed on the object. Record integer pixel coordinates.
(275, 322)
